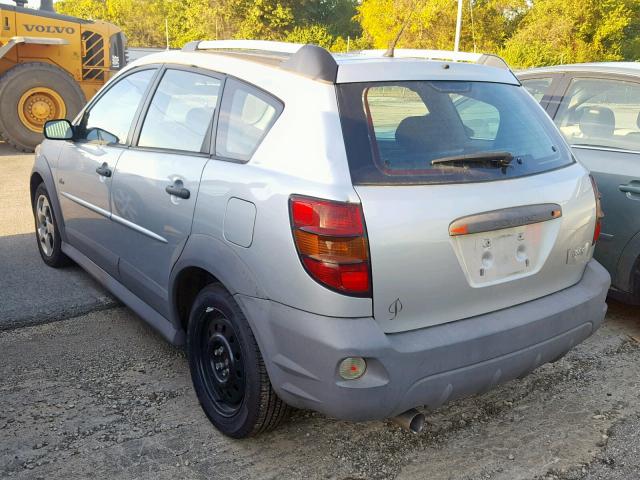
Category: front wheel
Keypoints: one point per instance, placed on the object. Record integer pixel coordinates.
(227, 368)
(47, 231)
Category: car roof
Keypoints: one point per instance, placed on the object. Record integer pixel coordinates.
(363, 67)
(317, 63)
(631, 68)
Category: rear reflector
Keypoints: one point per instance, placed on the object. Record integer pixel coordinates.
(352, 368)
(331, 242)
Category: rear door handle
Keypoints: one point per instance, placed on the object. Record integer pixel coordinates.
(104, 170)
(178, 190)
(633, 187)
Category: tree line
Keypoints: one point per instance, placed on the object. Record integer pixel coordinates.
(525, 32)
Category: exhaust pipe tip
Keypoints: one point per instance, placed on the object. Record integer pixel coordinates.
(411, 420)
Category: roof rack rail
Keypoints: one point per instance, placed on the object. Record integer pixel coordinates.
(479, 58)
(266, 46)
(308, 60)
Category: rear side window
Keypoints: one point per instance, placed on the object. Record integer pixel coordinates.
(537, 87)
(246, 116)
(601, 113)
(181, 112)
(429, 132)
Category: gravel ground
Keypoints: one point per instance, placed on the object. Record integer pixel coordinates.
(102, 395)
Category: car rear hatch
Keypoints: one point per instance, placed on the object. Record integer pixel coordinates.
(471, 199)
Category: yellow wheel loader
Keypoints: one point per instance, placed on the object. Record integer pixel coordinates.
(50, 64)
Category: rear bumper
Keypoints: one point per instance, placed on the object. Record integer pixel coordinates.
(429, 366)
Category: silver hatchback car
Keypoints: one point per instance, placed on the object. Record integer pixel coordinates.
(355, 234)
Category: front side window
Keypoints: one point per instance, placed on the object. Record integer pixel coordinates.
(601, 113)
(181, 112)
(480, 119)
(537, 87)
(246, 115)
(109, 119)
(423, 132)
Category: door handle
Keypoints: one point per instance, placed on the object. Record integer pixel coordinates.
(104, 170)
(178, 190)
(633, 187)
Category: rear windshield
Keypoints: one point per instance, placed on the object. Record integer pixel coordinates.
(430, 132)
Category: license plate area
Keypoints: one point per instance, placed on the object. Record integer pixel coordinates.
(499, 255)
(494, 257)
(503, 245)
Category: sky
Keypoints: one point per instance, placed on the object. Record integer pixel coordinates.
(30, 3)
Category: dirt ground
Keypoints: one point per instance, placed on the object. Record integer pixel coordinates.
(94, 392)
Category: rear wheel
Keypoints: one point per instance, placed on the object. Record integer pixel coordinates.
(227, 369)
(31, 94)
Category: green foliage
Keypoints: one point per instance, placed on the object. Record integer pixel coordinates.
(431, 23)
(316, 34)
(567, 31)
(525, 32)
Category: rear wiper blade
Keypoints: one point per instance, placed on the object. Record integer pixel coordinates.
(498, 159)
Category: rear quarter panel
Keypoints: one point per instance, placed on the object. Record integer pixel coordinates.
(302, 154)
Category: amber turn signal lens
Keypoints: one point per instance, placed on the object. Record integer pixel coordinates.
(340, 249)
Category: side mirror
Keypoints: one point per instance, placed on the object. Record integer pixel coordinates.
(58, 130)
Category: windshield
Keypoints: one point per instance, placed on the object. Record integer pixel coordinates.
(424, 132)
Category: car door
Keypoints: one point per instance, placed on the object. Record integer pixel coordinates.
(600, 118)
(156, 181)
(85, 166)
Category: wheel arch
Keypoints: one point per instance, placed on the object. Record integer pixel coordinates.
(35, 180)
(41, 173)
(206, 260)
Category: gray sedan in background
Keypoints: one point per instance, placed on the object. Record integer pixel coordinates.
(597, 108)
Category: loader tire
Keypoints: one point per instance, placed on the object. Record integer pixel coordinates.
(32, 93)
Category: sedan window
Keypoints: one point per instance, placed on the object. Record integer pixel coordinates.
(181, 112)
(601, 113)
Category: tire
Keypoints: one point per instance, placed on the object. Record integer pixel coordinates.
(241, 403)
(46, 226)
(26, 77)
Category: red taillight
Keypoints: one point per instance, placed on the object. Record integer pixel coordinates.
(599, 212)
(332, 244)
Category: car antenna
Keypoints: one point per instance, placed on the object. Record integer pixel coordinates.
(392, 45)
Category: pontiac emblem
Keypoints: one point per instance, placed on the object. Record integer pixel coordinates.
(395, 308)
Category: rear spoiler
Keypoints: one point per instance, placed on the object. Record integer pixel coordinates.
(441, 55)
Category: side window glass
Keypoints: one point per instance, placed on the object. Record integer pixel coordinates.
(601, 113)
(480, 119)
(246, 116)
(537, 87)
(108, 120)
(181, 111)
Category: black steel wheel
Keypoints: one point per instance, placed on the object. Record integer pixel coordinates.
(227, 368)
(221, 366)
